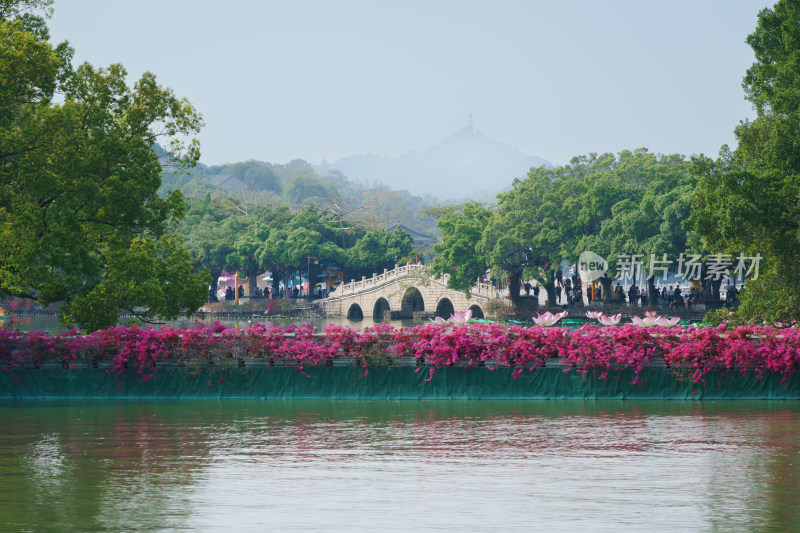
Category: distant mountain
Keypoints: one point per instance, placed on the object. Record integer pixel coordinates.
(465, 165)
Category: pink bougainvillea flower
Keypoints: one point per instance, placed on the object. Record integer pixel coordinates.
(693, 352)
(609, 320)
(549, 319)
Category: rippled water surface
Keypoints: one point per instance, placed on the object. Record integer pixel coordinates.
(403, 466)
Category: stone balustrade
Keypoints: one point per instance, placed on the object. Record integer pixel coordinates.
(391, 291)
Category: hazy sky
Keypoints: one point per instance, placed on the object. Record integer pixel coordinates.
(281, 80)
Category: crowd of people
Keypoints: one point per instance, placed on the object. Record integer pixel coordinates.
(569, 291)
(296, 292)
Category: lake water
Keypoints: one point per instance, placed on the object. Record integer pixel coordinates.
(399, 466)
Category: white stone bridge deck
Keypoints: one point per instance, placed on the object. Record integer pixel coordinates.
(407, 291)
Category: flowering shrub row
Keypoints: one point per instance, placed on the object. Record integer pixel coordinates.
(602, 351)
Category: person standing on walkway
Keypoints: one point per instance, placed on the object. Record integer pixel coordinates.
(633, 296)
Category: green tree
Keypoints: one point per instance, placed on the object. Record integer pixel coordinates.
(533, 223)
(249, 234)
(645, 216)
(208, 237)
(290, 243)
(379, 249)
(457, 255)
(305, 187)
(78, 181)
(633, 203)
(748, 200)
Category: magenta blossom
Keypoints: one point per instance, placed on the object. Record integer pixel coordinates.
(691, 354)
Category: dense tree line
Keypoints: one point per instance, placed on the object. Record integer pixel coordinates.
(298, 184)
(744, 203)
(631, 203)
(281, 240)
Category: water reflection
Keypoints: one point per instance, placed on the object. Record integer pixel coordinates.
(399, 466)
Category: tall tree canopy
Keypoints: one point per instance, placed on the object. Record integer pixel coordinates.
(647, 219)
(748, 200)
(80, 218)
(285, 240)
(462, 228)
(632, 203)
(379, 249)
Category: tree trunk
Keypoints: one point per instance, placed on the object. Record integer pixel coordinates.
(309, 285)
(715, 285)
(608, 290)
(276, 286)
(550, 288)
(514, 284)
(708, 292)
(286, 276)
(252, 275)
(276, 283)
(215, 274)
(652, 293)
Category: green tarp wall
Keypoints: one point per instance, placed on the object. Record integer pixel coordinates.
(382, 383)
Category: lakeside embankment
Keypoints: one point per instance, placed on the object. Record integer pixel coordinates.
(437, 361)
(254, 381)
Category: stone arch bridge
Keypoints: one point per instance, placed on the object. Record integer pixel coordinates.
(405, 292)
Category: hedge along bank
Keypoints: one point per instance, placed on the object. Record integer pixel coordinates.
(598, 351)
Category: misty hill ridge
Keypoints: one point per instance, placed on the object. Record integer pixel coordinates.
(466, 164)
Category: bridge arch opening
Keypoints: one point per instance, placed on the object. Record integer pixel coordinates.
(412, 301)
(380, 309)
(477, 312)
(354, 312)
(445, 308)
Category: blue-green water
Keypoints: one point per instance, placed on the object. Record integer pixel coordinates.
(399, 466)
